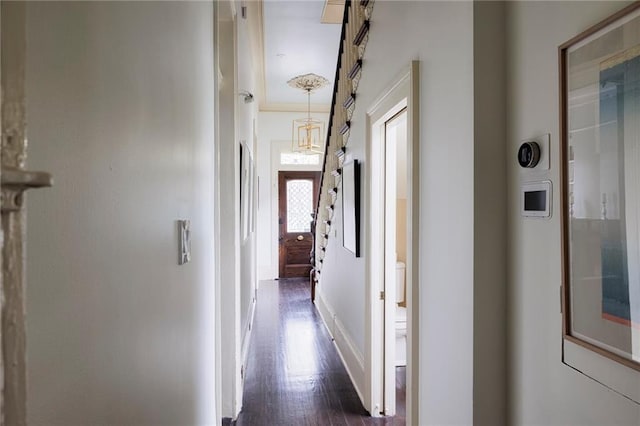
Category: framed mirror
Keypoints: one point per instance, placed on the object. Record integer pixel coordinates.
(600, 159)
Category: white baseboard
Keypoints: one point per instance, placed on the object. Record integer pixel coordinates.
(244, 352)
(351, 358)
(246, 333)
(265, 272)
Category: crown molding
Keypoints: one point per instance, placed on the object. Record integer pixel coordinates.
(292, 107)
(332, 12)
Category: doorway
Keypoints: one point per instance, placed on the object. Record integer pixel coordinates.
(395, 255)
(392, 250)
(297, 196)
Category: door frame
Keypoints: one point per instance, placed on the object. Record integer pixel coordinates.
(389, 219)
(283, 175)
(271, 232)
(403, 92)
(229, 368)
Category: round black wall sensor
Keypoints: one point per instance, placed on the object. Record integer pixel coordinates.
(529, 154)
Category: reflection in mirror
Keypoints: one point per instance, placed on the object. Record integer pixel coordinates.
(603, 188)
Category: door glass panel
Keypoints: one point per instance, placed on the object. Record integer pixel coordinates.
(299, 205)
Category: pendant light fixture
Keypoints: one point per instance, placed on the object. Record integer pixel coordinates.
(307, 132)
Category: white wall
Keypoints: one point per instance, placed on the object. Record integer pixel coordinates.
(542, 390)
(120, 109)
(440, 35)
(274, 136)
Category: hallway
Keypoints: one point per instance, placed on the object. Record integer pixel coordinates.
(294, 375)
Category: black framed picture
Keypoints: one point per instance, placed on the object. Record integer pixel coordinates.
(351, 207)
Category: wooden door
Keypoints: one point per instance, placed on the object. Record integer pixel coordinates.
(297, 199)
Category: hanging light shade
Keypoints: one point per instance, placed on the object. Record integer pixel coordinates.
(307, 133)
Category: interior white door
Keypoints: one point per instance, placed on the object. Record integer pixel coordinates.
(390, 271)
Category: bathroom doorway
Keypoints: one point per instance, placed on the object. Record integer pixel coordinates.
(391, 252)
(395, 253)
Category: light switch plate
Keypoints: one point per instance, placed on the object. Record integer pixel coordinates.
(184, 241)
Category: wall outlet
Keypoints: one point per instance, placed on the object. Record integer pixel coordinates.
(184, 241)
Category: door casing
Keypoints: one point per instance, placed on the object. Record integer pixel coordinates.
(402, 93)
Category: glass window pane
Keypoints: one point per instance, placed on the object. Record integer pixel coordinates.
(293, 158)
(299, 205)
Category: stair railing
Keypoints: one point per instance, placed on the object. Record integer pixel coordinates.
(353, 41)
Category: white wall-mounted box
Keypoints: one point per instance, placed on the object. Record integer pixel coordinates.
(536, 199)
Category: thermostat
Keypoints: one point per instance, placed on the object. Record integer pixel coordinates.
(533, 155)
(535, 199)
(529, 154)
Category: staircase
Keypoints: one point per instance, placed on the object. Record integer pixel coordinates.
(354, 38)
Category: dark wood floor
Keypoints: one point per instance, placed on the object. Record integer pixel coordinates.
(294, 375)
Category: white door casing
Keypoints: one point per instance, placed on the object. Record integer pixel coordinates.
(15, 181)
(402, 93)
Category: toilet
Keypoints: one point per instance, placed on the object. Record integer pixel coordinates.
(401, 316)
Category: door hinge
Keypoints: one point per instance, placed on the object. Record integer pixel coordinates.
(382, 295)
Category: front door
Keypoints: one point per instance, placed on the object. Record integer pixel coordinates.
(297, 198)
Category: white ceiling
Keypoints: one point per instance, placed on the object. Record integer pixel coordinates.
(295, 43)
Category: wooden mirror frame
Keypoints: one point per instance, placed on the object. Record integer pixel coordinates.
(564, 190)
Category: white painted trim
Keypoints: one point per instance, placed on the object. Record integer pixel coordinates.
(226, 11)
(325, 314)
(389, 188)
(228, 155)
(374, 271)
(216, 226)
(238, 389)
(257, 43)
(351, 358)
(382, 251)
(413, 249)
(389, 97)
(404, 87)
(612, 375)
(246, 335)
(293, 107)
